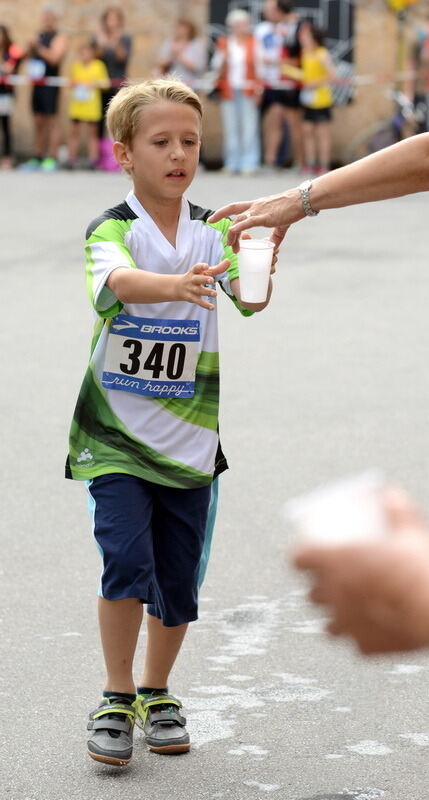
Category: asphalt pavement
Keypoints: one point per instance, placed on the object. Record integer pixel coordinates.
(331, 379)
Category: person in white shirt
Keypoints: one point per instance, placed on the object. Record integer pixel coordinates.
(236, 64)
(270, 47)
(279, 47)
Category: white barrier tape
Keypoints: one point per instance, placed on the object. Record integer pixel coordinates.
(383, 79)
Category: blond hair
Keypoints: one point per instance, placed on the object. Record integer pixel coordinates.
(124, 113)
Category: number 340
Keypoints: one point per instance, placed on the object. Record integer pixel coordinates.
(155, 361)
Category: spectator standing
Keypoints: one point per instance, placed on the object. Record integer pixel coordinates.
(317, 99)
(46, 52)
(114, 48)
(270, 44)
(235, 62)
(85, 109)
(289, 27)
(10, 57)
(184, 54)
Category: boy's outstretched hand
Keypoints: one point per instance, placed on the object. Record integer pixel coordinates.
(195, 284)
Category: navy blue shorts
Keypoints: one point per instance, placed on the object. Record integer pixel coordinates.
(154, 541)
(289, 98)
(317, 115)
(45, 100)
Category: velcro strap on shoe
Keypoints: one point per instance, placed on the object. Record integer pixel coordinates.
(166, 718)
(164, 699)
(109, 725)
(103, 711)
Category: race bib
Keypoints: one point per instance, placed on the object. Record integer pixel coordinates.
(307, 97)
(6, 105)
(82, 93)
(152, 357)
(36, 68)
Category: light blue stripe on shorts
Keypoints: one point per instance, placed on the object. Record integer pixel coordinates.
(91, 510)
(211, 519)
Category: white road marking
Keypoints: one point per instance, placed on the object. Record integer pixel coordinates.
(263, 787)
(405, 669)
(420, 739)
(368, 747)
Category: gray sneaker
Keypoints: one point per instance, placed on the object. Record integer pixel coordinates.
(112, 726)
(162, 724)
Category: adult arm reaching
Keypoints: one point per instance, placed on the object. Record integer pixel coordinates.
(395, 171)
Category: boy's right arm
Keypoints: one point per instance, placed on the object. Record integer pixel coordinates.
(113, 277)
(139, 286)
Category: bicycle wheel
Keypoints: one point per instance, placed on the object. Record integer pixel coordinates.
(374, 138)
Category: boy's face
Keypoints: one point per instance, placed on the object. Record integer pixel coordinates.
(165, 150)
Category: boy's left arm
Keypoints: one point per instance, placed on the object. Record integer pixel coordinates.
(235, 285)
(253, 307)
(233, 278)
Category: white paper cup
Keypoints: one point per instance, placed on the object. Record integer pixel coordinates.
(344, 512)
(254, 263)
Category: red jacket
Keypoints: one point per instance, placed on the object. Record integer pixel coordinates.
(222, 84)
(11, 61)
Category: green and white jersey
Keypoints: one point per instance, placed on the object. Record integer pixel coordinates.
(149, 402)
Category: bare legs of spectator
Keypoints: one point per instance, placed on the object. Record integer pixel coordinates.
(317, 145)
(294, 121)
(47, 135)
(273, 128)
(272, 132)
(310, 154)
(40, 135)
(323, 140)
(93, 143)
(73, 141)
(91, 132)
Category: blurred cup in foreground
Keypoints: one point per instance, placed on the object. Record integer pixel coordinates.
(254, 262)
(345, 512)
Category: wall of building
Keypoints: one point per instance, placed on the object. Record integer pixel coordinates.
(374, 55)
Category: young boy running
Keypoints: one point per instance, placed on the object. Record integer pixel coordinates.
(145, 429)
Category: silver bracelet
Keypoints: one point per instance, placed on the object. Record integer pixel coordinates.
(304, 189)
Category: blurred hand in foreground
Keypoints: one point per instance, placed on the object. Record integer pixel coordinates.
(377, 593)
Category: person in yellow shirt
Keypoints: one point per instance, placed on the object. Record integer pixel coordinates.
(316, 98)
(88, 76)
